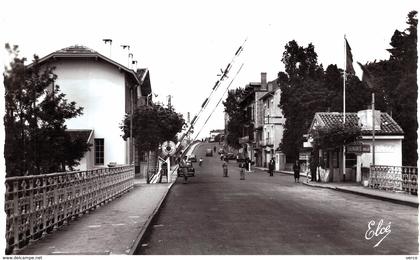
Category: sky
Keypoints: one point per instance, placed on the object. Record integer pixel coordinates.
(184, 43)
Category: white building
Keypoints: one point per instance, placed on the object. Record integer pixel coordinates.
(107, 91)
(273, 128)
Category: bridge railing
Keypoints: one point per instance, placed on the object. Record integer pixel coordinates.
(397, 178)
(38, 204)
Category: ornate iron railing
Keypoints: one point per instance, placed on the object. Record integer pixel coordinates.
(38, 204)
(397, 178)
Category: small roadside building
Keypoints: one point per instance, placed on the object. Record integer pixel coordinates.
(359, 154)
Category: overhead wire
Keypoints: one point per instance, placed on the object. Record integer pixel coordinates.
(221, 98)
(215, 87)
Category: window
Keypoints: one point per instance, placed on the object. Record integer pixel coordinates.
(99, 150)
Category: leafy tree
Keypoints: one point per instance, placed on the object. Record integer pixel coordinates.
(335, 136)
(307, 88)
(237, 117)
(394, 82)
(35, 112)
(302, 94)
(152, 125)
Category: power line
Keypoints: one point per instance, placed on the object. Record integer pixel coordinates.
(221, 98)
(216, 85)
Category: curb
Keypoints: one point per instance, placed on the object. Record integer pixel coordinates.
(290, 173)
(146, 227)
(397, 201)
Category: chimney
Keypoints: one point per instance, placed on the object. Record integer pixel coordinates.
(263, 80)
(365, 119)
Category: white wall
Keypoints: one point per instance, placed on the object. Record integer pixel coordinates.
(387, 152)
(99, 88)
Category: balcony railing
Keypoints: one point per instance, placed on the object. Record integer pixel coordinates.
(266, 142)
(38, 204)
(396, 178)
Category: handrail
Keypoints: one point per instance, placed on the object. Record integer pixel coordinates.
(397, 178)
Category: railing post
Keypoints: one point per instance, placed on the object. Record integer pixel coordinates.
(16, 218)
(32, 214)
(55, 204)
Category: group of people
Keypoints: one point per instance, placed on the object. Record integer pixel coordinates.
(271, 167)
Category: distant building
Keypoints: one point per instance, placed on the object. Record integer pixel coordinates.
(253, 131)
(216, 135)
(107, 91)
(273, 127)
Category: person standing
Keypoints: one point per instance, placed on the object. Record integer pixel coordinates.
(271, 165)
(296, 170)
(184, 168)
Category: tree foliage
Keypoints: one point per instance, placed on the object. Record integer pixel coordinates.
(237, 117)
(36, 141)
(335, 136)
(307, 89)
(394, 82)
(152, 125)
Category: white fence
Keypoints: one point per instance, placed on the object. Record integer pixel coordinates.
(38, 204)
(397, 178)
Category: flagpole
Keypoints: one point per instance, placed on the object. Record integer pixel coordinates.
(344, 104)
(344, 81)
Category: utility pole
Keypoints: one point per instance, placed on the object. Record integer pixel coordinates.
(373, 128)
(169, 101)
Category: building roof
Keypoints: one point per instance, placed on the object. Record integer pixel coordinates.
(267, 95)
(83, 134)
(79, 51)
(329, 119)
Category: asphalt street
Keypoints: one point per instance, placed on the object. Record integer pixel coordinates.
(214, 215)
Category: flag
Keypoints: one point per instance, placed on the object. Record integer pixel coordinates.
(367, 77)
(349, 59)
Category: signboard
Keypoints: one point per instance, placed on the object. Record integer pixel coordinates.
(304, 156)
(358, 148)
(168, 148)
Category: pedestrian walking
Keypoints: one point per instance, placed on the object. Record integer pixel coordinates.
(184, 169)
(225, 169)
(200, 162)
(296, 170)
(271, 165)
(214, 149)
(163, 171)
(248, 164)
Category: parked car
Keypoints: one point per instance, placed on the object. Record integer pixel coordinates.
(230, 156)
(192, 158)
(209, 152)
(190, 170)
(221, 151)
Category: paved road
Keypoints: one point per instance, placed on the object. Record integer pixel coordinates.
(272, 215)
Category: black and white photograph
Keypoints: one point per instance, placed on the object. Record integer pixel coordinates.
(220, 128)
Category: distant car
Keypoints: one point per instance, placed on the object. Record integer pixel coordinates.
(192, 158)
(230, 156)
(209, 152)
(190, 170)
(221, 151)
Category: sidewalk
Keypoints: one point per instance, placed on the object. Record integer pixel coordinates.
(356, 188)
(115, 228)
